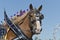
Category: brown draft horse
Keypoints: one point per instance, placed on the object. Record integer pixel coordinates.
(29, 23)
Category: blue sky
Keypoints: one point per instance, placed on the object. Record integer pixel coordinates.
(51, 11)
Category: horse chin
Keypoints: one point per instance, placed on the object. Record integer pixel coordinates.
(37, 32)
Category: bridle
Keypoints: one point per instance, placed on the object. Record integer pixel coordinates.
(32, 22)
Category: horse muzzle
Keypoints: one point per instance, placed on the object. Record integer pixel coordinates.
(38, 28)
(38, 31)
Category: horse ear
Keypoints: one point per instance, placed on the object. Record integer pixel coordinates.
(40, 8)
(30, 7)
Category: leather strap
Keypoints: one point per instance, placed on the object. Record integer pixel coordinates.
(14, 28)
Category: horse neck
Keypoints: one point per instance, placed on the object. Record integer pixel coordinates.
(26, 28)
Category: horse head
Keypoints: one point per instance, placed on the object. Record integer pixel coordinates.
(36, 18)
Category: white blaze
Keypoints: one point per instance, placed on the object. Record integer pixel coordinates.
(38, 25)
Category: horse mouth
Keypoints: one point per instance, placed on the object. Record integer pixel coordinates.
(38, 31)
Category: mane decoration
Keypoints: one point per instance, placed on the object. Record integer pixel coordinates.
(21, 13)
